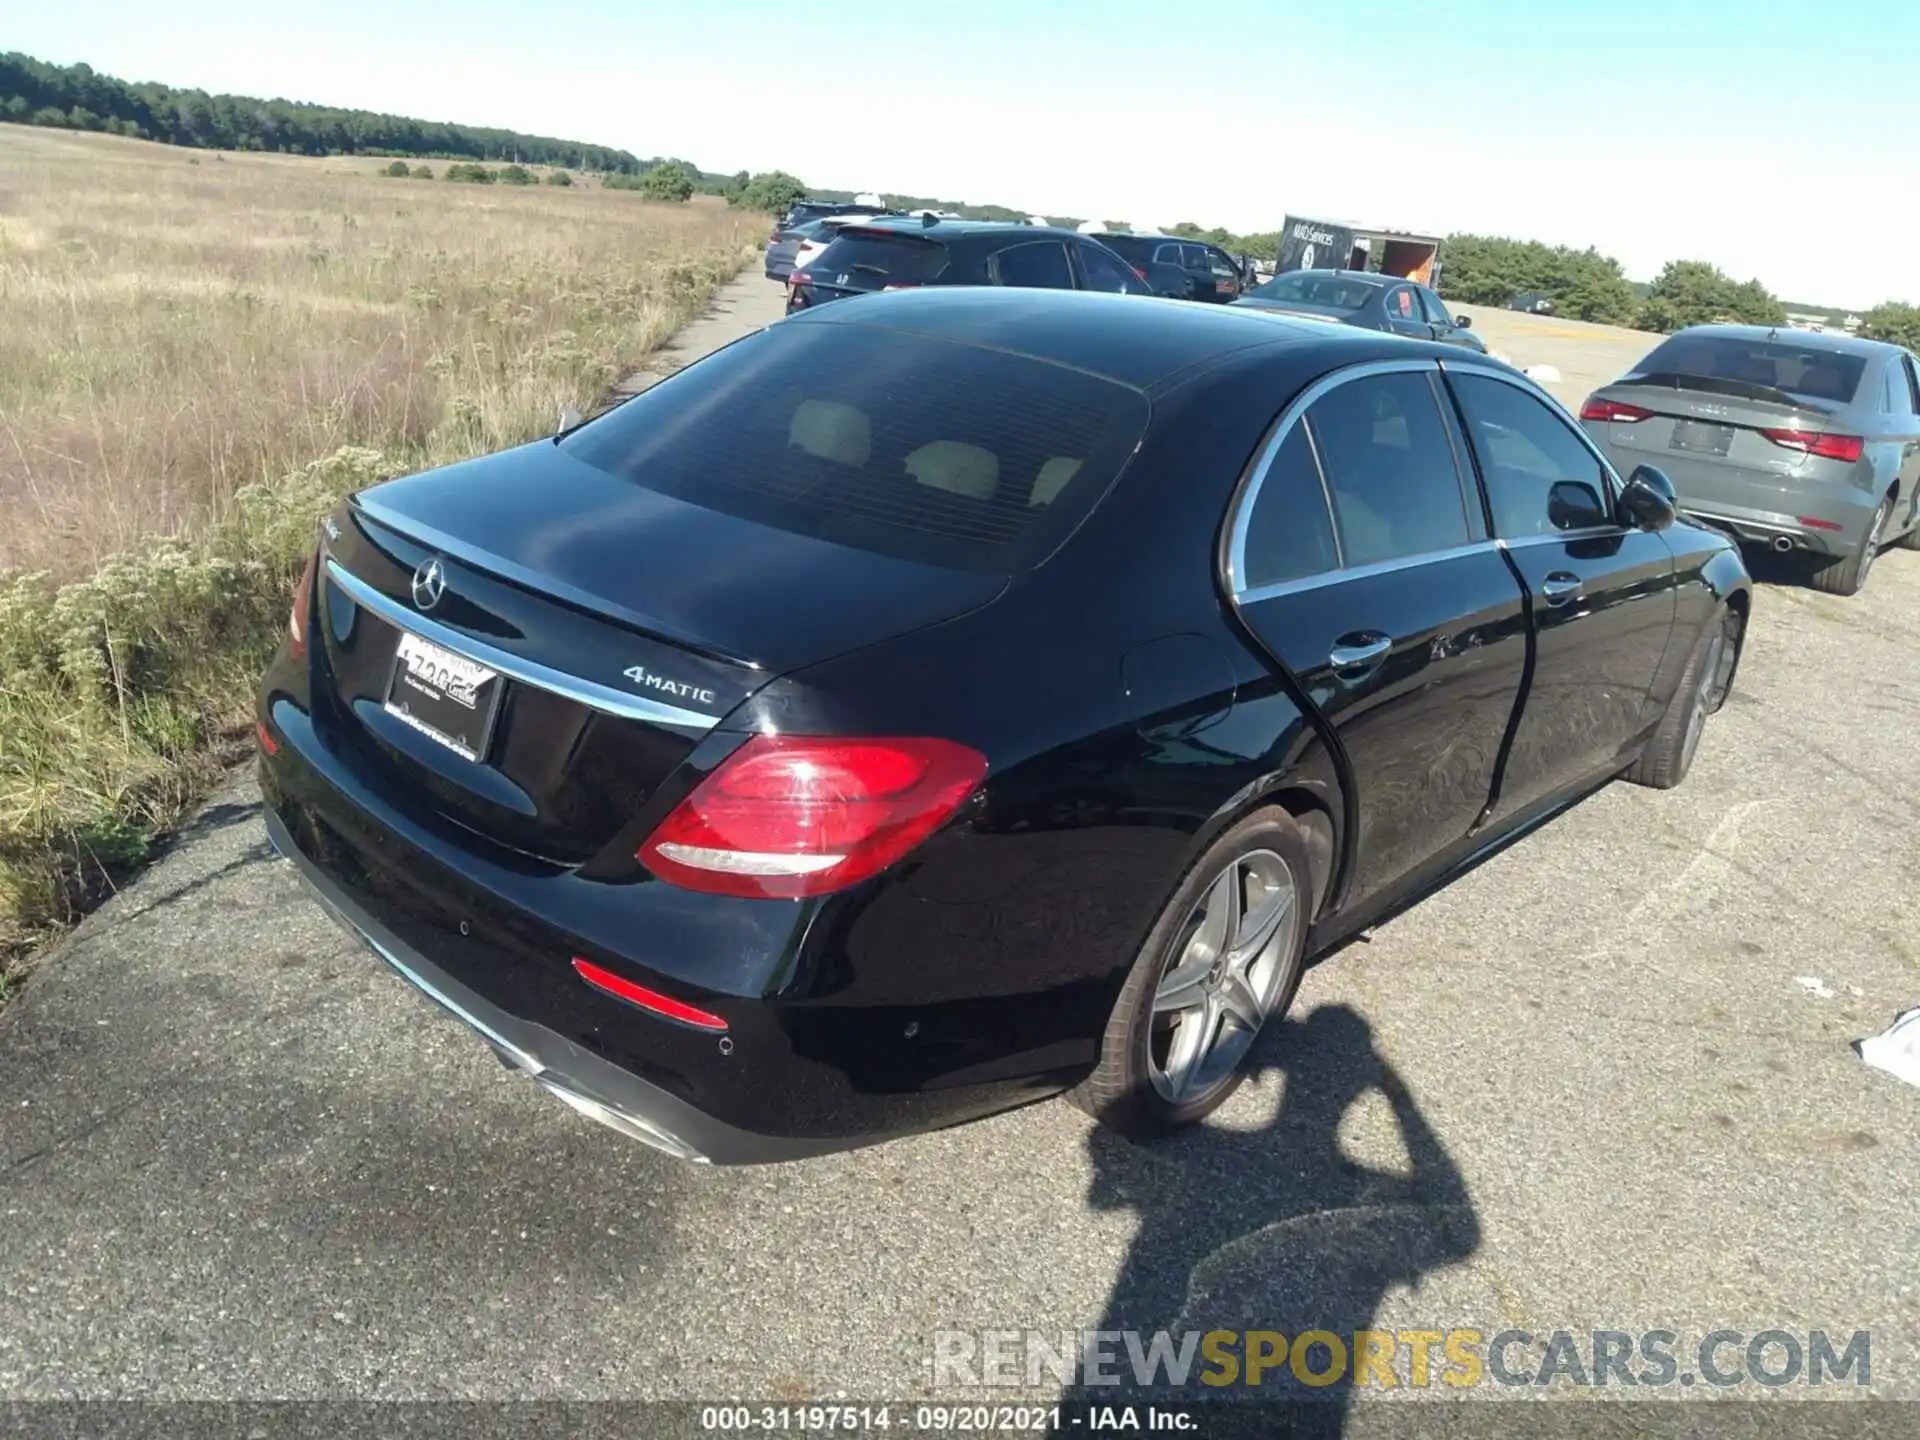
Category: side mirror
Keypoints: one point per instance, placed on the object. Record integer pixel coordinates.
(1462, 322)
(1575, 505)
(1648, 502)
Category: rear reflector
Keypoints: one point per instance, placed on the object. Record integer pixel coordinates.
(267, 742)
(793, 816)
(646, 999)
(1613, 410)
(1827, 447)
(302, 601)
(1816, 524)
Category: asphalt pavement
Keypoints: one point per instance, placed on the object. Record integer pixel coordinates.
(1603, 1082)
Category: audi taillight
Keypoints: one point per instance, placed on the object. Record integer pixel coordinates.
(793, 816)
(1814, 442)
(302, 603)
(1613, 410)
(1140, 271)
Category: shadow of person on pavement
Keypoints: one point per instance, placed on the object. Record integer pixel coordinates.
(1276, 1229)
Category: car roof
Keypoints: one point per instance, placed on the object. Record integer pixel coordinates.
(947, 229)
(1365, 277)
(1134, 339)
(1841, 343)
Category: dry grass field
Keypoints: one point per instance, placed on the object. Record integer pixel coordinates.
(199, 353)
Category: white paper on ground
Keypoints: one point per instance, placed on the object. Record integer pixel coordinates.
(1896, 1050)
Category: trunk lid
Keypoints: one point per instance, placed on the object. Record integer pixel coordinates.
(619, 626)
(1706, 424)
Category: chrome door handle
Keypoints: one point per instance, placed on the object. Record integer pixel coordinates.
(1348, 657)
(1560, 588)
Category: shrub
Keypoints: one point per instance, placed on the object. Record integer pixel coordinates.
(517, 175)
(559, 177)
(423, 172)
(470, 174)
(671, 181)
(398, 169)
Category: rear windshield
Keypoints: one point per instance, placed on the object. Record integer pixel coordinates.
(895, 443)
(1302, 288)
(1784, 365)
(873, 261)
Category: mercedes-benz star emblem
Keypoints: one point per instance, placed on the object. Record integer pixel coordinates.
(429, 584)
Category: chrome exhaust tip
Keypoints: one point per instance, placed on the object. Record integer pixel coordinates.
(1782, 544)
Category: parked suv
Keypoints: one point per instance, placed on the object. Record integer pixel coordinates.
(899, 254)
(1799, 442)
(1206, 272)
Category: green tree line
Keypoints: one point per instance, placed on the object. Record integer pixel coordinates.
(76, 97)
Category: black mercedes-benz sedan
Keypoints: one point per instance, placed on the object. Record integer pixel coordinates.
(949, 698)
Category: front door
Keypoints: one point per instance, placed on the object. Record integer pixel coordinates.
(1601, 595)
(1369, 575)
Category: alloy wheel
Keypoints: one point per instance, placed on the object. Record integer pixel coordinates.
(1223, 980)
(1703, 693)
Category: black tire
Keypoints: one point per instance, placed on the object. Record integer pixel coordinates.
(1122, 1092)
(1848, 574)
(1911, 540)
(1669, 753)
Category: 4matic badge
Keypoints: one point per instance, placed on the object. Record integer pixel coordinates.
(679, 689)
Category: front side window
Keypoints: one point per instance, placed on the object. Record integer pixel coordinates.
(1389, 465)
(1106, 271)
(1040, 265)
(1289, 532)
(1436, 312)
(1541, 478)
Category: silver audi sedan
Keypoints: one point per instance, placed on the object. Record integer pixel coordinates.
(1798, 441)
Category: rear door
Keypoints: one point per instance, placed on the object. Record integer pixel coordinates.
(1359, 564)
(1903, 428)
(1600, 595)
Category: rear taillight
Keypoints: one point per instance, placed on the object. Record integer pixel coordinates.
(1827, 447)
(1140, 272)
(792, 816)
(799, 277)
(302, 603)
(909, 285)
(1598, 409)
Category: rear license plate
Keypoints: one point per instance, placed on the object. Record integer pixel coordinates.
(1700, 438)
(444, 696)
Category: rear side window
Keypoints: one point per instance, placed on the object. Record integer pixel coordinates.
(873, 261)
(1289, 533)
(1899, 387)
(1389, 465)
(1039, 265)
(1740, 365)
(1104, 271)
(1541, 479)
(900, 444)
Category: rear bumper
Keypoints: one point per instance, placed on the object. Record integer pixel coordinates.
(1775, 531)
(588, 1083)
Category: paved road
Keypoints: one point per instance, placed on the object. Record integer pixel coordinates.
(243, 1160)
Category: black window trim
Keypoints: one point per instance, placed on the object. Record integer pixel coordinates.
(1233, 536)
(1609, 477)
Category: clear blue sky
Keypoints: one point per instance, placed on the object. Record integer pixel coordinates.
(1781, 141)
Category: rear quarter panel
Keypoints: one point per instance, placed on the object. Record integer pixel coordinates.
(1124, 722)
